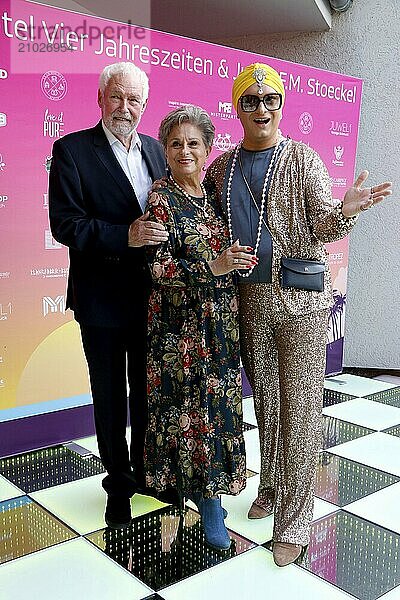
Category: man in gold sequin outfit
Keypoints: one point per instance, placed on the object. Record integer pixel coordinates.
(276, 194)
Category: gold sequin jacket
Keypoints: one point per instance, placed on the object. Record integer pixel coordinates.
(302, 217)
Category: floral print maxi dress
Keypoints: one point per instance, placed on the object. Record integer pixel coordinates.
(194, 439)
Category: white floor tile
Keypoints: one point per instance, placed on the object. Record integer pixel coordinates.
(72, 570)
(253, 575)
(252, 450)
(367, 413)
(379, 450)
(90, 443)
(249, 416)
(323, 508)
(381, 507)
(356, 386)
(8, 490)
(256, 530)
(259, 530)
(80, 504)
(392, 595)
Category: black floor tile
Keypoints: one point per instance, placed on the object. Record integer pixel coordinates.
(337, 432)
(390, 396)
(46, 468)
(393, 430)
(250, 473)
(248, 427)
(359, 557)
(341, 481)
(332, 397)
(163, 547)
(26, 527)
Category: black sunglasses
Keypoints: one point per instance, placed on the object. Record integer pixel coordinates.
(250, 102)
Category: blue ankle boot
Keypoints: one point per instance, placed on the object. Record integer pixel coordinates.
(198, 498)
(212, 516)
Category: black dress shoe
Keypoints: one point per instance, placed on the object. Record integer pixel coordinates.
(118, 512)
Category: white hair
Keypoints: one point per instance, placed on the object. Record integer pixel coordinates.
(124, 68)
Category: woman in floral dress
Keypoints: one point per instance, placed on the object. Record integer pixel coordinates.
(194, 443)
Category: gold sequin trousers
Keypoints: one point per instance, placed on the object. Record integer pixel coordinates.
(284, 360)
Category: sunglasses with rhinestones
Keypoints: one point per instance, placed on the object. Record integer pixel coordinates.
(250, 102)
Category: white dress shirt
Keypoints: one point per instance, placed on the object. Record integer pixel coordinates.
(132, 163)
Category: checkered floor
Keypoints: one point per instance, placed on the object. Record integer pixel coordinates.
(53, 543)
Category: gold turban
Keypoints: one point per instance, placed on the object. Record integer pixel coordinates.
(247, 77)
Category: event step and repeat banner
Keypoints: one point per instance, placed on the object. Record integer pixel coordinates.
(50, 60)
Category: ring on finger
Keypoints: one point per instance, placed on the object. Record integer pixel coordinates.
(235, 261)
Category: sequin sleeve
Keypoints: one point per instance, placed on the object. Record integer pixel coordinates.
(325, 214)
(166, 266)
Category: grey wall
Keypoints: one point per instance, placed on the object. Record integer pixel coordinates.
(364, 42)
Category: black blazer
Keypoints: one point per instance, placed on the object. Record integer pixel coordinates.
(91, 205)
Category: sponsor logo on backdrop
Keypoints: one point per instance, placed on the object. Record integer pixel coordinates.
(336, 257)
(176, 103)
(54, 85)
(223, 142)
(224, 111)
(53, 305)
(225, 107)
(47, 163)
(5, 274)
(340, 128)
(49, 242)
(338, 152)
(5, 311)
(45, 201)
(2, 163)
(3, 74)
(53, 124)
(306, 123)
(3, 200)
(3, 119)
(49, 272)
(339, 182)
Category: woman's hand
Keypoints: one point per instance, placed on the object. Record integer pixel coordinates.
(357, 200)
(234, 257)
(158, 184)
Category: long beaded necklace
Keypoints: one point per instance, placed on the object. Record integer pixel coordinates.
(263, 198)
(203, 207)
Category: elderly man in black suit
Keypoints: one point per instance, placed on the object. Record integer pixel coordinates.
(99, 180)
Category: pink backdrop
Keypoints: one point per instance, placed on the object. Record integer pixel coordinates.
(48, 90)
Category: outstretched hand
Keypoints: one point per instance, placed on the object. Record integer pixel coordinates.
(234, 257)
(143, 232)
(357, 199)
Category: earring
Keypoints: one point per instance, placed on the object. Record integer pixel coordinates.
(168, 170)
(204, 168)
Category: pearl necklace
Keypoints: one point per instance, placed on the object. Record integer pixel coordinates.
(203, 207)
(263, 198)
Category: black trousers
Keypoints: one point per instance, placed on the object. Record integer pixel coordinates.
(117, 356)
